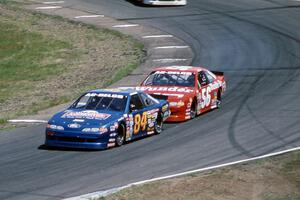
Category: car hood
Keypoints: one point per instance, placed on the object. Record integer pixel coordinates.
(170, 91)
(84, 118)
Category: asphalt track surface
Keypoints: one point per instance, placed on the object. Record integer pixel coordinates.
(256, 43)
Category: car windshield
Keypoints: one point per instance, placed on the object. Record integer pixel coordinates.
(171, 78)
(101, 101)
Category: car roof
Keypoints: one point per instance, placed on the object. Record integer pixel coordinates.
(119, 90)
(180, 68)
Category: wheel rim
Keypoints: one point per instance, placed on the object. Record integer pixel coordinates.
(120, 139)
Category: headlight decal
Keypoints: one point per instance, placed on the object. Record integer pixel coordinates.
(55, 127)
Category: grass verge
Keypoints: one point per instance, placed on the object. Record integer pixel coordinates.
(276, 178)
(47, 60)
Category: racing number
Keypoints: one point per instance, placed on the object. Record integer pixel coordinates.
(140, 122)
(206, 98)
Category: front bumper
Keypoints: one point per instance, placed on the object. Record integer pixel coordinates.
(73, 140)
(79, 145)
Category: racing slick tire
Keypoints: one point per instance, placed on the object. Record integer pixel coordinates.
(120, 138)
(219, 99)
(193, 111)
(158, 127)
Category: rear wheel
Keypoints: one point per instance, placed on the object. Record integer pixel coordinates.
(120, 135)
(158, 124)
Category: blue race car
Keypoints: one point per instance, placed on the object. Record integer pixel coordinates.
(100, 119)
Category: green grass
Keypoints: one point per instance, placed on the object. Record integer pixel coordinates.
(48, 60)
(276, 197)
(291, 170)
(21, 57)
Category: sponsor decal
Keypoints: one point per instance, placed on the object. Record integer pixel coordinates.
(215, 86)
(150, 123)
(150, 132)
(78, 120)
(179, 68)
(118, 96)
(112, 128)
(116, 125)
(164, 89)
(113, 135)
(173, 72)
(74, 125)
(111, 140)
(103, 130)
(86, 115)
(180, 103)
(165, 108)
(129, 127)
(110, 145)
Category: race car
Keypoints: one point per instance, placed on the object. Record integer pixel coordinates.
(189, 90)
(105, 118)
(164, 2)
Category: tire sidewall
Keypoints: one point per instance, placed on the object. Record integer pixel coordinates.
(121, 131)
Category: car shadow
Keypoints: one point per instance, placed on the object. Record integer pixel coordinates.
(48, 148)
(139, 4)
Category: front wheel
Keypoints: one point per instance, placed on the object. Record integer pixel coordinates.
(158, 124)
(193, 110)
(120, 135)
(219, 99)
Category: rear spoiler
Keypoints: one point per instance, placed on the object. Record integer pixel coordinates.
(218, 73)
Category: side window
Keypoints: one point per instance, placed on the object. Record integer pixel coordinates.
(149, 79)
(147, 100)
(135, 103)
(202, 79)
(210, 78)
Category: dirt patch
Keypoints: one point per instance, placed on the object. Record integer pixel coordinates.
(271, 179)
(68, 58)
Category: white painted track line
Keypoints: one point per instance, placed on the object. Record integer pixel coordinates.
(157, 36)
(88, 16)
(172, 47)
(125, 25)
(114, 190)
(53, 2)
(27, 121)
(47, 7)
(166, 60)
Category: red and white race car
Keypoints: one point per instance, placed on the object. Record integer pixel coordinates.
(189, 90)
